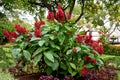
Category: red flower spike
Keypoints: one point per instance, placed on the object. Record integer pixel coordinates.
(60, 13)
(37, 33)
(11, 39)
(37, 25)
(89, 59)
(50, 15)
(13, 34)
(42, 22)
(68, 16)
(79, 39)
(97, 46)
(88, 39)
(84, 71)
(6, 33)
(20, 29)
(74, 49)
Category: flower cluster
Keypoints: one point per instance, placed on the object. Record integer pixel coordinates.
(87, 39)
(60, 16)
(11, 36)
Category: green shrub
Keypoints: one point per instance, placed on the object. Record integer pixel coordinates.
(6, 76)
(111, 49)
(6, 59)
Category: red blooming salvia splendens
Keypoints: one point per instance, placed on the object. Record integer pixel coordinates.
(89, 59)
(37, 24)
(79, 39)
(97, 46)
(6, 33)
(37, 33)
(41, 21)
(20, 29)
(60, 13)
(13, 34)
(84, 71)
(50, 15)
(10, 37)
(88, 39)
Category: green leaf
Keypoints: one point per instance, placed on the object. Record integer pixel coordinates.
(54, 46)
(73, 65)
(49, 55)
(34, 39)
(16, 52)
(69, 52)
(63, 66)
(89, 65)
(73, 73)
(78, 49)
(61, 37)
(39, 50)
(41, 42)
(27, 55)
(57, 28)
(54, 65)
(49, 70)
(37, 59)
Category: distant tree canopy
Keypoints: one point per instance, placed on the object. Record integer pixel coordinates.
(93, 11)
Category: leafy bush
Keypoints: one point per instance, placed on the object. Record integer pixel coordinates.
(111, 49)
(55, 47)
(6, 76)
(6, 59)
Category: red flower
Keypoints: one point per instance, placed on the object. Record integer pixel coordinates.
(79, 39)
(37, 33)
(68, 32)
(13, 34)
(97, 46)
(74, 49)
(60, 13)
(11, 39)
(6, 33)
(84, 71)
(37, 24)
(68, 16)
(88, 39)
(89, 59)
(50, 15)
(20, 29)
(41, 21)
(27, 39)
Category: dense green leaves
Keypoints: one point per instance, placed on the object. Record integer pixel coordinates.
(49, 56)
(27, 55)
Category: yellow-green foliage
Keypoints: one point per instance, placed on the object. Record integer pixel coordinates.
(112, 49)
